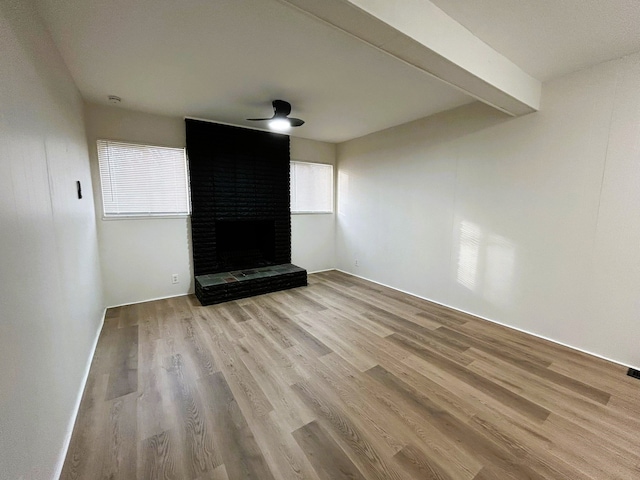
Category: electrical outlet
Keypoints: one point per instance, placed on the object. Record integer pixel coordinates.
(174, 278)
(357, 263)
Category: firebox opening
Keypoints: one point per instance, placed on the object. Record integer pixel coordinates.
(245, 243)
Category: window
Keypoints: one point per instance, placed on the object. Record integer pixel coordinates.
(311, 188)
(142, 180)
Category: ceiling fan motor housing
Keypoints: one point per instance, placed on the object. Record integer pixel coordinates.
(281, 110)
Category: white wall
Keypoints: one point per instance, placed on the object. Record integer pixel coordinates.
(533, 222)
(139, 256)
(50, 293)
(313, 236)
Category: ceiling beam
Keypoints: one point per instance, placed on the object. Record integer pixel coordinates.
(419, 33)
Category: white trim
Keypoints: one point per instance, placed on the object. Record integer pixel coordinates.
(150, 300)
(76, 407)
(294, 160)
(312, 213)
(150, 216)
(617, 362)
(325, 270)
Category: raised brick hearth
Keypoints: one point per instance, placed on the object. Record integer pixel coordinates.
(221, 287)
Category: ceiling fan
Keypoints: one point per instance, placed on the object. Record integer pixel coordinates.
(280, 119)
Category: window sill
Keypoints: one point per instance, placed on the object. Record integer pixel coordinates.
(111, 218)
(311, 213)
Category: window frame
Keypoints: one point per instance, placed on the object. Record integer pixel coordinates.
(333, 189)
(143, 216)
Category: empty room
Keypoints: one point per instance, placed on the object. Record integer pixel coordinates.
(344, 239)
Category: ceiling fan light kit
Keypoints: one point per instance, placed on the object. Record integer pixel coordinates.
(280, 120)
(280, 124)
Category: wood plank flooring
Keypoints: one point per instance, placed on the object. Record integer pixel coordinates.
(344, 379)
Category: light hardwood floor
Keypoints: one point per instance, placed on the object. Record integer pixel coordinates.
(345, 379)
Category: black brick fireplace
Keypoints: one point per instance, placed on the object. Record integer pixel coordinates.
(245, 243)
(240, 221)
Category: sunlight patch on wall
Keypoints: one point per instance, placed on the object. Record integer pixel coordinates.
(486, 264)
(499, 269)
(470, 238)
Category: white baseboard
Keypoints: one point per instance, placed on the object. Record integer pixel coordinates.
(184, 294)
(150, 300)
(320, 271)
(617, 362)
(76, 407)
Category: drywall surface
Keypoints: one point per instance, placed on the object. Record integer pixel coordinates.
(50, 296)
(139, 256)
(532, 222)
(313, 236)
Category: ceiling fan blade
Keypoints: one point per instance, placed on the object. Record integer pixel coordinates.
(258, 119)
(296, 122)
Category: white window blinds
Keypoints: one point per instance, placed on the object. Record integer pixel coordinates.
(311, 188)
(142, 180)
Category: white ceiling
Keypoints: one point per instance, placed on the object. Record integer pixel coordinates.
(225, 60)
